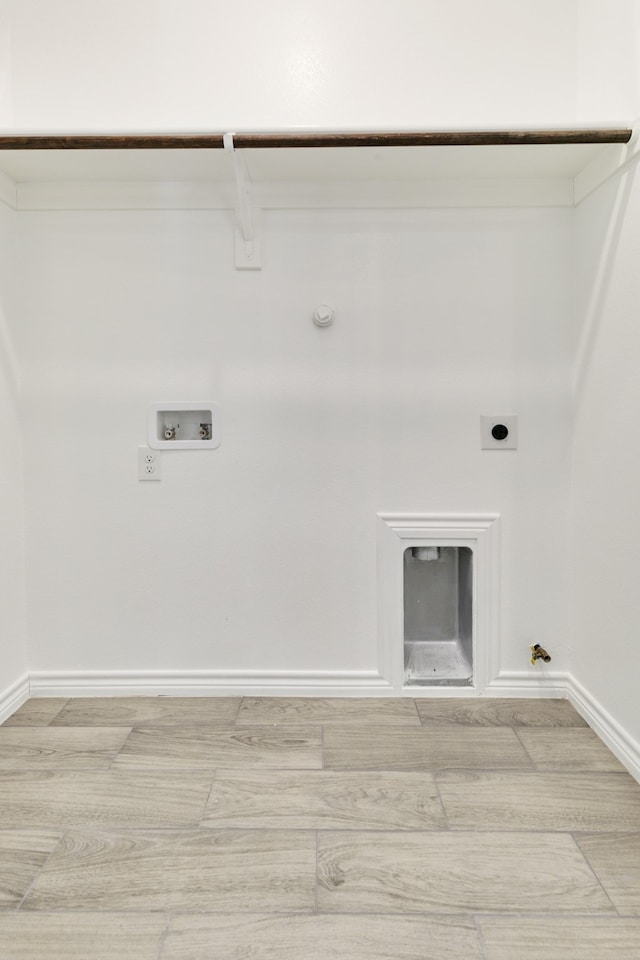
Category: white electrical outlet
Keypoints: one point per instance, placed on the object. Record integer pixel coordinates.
(149, 464)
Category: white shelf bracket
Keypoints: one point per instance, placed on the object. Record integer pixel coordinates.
(248, 250)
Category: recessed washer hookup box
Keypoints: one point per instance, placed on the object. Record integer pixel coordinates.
(182, 425)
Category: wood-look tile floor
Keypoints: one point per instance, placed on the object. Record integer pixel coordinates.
(314, 829)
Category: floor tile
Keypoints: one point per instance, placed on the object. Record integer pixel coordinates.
(199, 870)
(115, 798)
(36, 712)
(314, 828)
(541, 801)
(137, 711)
(552, 939)
(378, 747)
(22, 854)
(327, 710)
(64, 936)
(196, 747)
(616, 862)
(60, 748)
(569, 748)
(478, 711)
(320, 799)
(454, 873)
(321, 938)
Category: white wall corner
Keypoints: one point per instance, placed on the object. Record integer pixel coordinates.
(13, 697)
(623, 746)
(615, 157)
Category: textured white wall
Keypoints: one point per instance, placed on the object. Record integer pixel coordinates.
(261, 555)
(153, 64)
(13, 637)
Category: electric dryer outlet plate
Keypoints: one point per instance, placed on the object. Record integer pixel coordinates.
(499, 433)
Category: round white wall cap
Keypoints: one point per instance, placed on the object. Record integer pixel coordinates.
(323, 315)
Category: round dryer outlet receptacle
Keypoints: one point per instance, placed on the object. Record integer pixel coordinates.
(499, 432)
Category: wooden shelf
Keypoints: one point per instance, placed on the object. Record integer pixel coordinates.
(315, 139)
(459, 168)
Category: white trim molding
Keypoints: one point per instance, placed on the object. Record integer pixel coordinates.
(209, 683)
(202, 683)
(623, 746)
(479, 532)
(536, 682)
(13, 697)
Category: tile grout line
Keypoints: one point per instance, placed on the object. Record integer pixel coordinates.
(480, 936)
(594, 872)
(315, 885)
(62, 833)
(435, 774)
(207, 798)
(415, 707)
(163, 939)
(63, 707)
(99, 828)
(120, 749)
(238, 709)
(534, 765)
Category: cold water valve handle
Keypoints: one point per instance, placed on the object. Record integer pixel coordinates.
(539, 653)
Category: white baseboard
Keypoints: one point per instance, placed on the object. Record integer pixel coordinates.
(13, 697)
(209, 683)
(625, 748)
(537, 682)
(287, 683)
(290, 683)
(221, 683)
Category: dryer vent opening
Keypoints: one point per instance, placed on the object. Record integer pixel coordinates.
(438, 616)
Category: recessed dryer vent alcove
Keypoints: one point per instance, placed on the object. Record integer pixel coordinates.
(184, 426)
(438, 616)
(437, 589)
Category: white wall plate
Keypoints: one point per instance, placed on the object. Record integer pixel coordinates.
(499, 433)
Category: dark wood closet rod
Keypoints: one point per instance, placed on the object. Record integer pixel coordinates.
(214, 141)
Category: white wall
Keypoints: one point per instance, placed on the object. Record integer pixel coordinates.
(193, 64)
(606, 520)
(608, 48)
(13, 637)
(262, 554)
(605, 527)
(6, 80)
